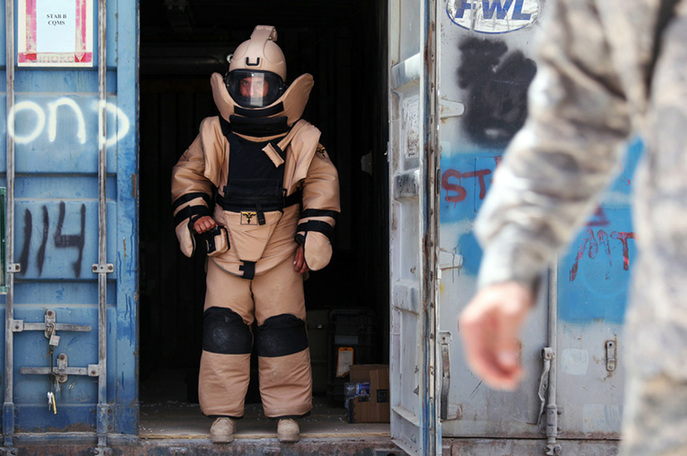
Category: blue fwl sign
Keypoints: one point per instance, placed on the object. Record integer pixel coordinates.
(489, 7)
(493, 16)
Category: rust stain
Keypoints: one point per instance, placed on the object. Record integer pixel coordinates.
(134, 185)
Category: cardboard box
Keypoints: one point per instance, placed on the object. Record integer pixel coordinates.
(372, 408)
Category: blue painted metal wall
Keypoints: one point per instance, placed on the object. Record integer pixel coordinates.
(54, 125)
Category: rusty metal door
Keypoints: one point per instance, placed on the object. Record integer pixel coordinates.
(571, 346)
(412, 167)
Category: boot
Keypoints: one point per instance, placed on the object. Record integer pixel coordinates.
(222, 430)
(288, 431)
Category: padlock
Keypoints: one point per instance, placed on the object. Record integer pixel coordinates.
(54, 341)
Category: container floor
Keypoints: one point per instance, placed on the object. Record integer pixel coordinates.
(167, 414)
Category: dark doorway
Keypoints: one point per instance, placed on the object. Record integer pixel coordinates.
(343, 45)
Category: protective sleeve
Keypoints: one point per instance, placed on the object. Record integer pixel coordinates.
(556, 167)
(192, 193)
(321, 207)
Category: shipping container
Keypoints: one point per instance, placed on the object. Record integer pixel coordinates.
(416, 101)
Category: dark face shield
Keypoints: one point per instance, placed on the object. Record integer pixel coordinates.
(254, 89)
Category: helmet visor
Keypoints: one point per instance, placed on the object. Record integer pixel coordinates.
(254, 89)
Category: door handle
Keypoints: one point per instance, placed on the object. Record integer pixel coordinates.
(445, 341)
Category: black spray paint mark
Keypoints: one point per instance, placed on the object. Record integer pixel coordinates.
(61, 240)
(28, 228)
(71, 240)
(497, 82)
(40, 258)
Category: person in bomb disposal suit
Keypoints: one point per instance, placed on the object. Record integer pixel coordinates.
(276, 197)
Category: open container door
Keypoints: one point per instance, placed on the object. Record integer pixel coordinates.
(412, 165)
(570, 400)
(69, 165)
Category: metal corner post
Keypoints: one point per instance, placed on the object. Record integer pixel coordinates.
(8, 404)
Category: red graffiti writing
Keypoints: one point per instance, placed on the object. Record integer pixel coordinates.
(592, 243)
(599, 218)
(455, 192)
(623, 237)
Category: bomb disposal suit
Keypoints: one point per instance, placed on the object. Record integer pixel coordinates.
(275, 194)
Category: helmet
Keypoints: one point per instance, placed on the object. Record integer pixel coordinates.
(257, 70)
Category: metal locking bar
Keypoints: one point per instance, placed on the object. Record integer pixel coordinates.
(62, 371)
(8, 409)
(49, 326)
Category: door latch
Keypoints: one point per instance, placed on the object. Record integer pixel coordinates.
(611, 355)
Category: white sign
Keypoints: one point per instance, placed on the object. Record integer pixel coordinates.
(493, 16)
(55, 33)
(55, 26)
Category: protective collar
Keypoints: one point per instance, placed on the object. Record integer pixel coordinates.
(290, 105)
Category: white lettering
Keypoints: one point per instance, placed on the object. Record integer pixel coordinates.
(52, 126)
(123, 124)
(121, 121)
(25, 106)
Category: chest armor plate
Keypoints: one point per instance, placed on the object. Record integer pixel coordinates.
(253, 183)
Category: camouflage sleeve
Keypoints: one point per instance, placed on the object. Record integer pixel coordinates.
(557, 165)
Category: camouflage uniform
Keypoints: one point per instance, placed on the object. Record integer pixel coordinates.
(589, 95)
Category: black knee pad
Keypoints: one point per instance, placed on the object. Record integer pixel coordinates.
(225, 332)
(281, 335)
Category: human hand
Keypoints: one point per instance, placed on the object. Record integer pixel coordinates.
(299, 264)
(490, 327)
(203, 224)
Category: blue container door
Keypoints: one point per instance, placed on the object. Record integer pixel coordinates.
(70, 183)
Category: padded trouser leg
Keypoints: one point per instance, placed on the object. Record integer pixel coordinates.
(223, 384)
(227, 344)
(276, 298)
(286, 384)
(282, 343)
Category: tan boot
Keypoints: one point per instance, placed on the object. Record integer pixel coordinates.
(288, 431)
(222, 430)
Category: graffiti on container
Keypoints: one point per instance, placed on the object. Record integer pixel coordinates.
(40, 119)
(452, 180)
(497, 81)
(592, 243)
(60, 240)
(455, 192)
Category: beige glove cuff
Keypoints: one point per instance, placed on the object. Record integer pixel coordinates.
(187, 242)
(317, 249)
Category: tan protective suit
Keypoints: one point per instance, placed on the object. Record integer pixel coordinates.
(254, 279)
